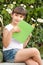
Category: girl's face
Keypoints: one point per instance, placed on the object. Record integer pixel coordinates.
(16, 18)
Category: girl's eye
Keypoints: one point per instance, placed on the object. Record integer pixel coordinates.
(16, 14)
(20, 16)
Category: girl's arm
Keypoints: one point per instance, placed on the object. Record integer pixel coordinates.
(6, 37)
(28, 39)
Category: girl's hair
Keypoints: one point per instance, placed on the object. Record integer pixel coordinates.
(20, 10)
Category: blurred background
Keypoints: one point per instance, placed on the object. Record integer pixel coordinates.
(34, 16)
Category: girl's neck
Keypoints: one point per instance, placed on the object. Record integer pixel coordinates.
(13, 24)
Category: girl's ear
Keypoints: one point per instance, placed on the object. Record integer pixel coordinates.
(24, 17)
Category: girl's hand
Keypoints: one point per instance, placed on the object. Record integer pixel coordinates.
(15, 29)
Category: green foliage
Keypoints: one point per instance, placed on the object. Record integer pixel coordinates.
(35, 11)
(1, 56)
(6, 16)
(1, 1)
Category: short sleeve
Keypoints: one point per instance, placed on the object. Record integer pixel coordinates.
(9, 27)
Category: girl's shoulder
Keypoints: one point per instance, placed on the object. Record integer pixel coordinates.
(9, 27)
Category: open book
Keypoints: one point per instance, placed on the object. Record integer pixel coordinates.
(26, 30)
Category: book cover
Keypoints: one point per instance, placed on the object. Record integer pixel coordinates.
(26, 30)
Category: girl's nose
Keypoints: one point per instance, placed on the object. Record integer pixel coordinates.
(18, 18)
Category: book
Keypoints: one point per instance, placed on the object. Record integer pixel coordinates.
(26, 30)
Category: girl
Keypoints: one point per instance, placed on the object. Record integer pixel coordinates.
(13, 51)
